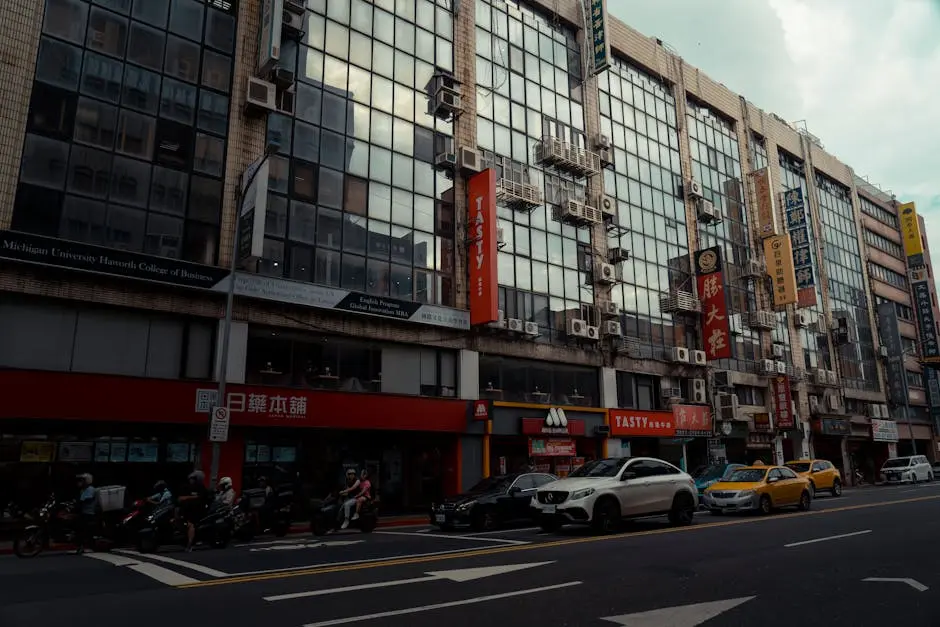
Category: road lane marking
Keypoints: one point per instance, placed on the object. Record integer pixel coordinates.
(500, 531)
(114, 560)
(827, 538)
(440, 606)
(460, 575)
(155, 572)
(448, 555)
(451, 537)
(152, 557)
(678, 615)
(339, 565)
(911, 582)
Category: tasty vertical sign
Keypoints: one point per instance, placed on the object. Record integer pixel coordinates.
(798, 226)
(484, 304)
(716, 327)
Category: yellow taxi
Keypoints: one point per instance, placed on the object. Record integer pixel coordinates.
(758, 488)
(822, 475)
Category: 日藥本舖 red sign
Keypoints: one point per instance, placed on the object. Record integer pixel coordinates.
(692, 420)
(716, 328)
(783, 404)
(644, 423)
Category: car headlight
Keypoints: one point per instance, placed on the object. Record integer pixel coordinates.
(744, 494)
(465, 506)
(582, 494)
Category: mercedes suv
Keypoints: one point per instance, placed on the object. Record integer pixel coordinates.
(604, 492)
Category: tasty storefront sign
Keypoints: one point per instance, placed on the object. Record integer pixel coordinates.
(711, 291)
(637, 422)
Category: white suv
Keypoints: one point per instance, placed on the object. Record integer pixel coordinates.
(604, 492)
(900, 469)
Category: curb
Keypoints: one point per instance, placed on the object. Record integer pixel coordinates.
(296, 529)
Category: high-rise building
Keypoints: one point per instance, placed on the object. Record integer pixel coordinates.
(469, 236)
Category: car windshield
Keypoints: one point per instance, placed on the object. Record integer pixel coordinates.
(491, 483)
(899, 462)
(747, 475)
(600, 468)
(707, 473)
(798, 466)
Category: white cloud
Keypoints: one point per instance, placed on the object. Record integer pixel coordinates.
(864, 74)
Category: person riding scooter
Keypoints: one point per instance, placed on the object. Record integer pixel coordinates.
(225, 492)
(161, 494)
(193, 504)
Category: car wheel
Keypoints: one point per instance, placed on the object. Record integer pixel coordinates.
(812, 488)
(683, 510)
(765, 505)
(806, 501)
(483, 519)
(836, 488)
(606, 516)
(549, 524)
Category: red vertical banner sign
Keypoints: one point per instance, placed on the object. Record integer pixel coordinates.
(481, 257)
(783, 404)
(716, 328)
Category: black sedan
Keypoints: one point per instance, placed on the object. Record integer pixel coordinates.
(492, 502)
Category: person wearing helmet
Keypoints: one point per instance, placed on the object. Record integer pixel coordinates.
(225, 492)
(87, 512)
(193, 503)
(161, 494)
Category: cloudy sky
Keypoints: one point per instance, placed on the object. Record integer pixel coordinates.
(864, 74)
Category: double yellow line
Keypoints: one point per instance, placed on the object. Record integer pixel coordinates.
(323, 570)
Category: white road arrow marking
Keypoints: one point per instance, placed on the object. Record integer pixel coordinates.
(678, 616)
(460, 575)
(311, 545)
(439, 606)
(911, 582)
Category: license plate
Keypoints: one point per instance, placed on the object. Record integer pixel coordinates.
(550, 509)
(440, 518)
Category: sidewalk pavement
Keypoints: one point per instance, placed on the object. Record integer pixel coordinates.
(6, 548)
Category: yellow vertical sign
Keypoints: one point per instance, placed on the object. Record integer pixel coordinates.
(779, 254)
(763, 194)
(910, 231)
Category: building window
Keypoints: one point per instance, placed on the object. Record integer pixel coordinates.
(123, 125)
(507, 379)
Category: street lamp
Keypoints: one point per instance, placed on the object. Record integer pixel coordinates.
(254, 169)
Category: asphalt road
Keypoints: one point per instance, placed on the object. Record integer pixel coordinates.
(788, 568)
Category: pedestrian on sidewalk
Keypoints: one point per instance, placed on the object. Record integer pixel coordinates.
(87, 518)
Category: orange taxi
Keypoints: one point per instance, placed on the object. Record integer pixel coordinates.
(758, 488)
(823, 476)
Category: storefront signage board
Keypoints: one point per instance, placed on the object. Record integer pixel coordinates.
(642, 423)
(552, 447)
(797, 223)
(884, 430)
(711, 290)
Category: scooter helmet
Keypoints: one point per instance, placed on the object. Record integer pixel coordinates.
(159, 486)
(198, 476)
(225, 483)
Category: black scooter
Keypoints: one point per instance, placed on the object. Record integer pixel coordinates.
(326, 516)
(214, 528)
(254, 515)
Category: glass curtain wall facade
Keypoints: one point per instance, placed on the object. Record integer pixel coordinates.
(125, 142)
(815, 345)
(354, 201)
(848, 293)
(716, 164)
(528, 72)
(638, 114)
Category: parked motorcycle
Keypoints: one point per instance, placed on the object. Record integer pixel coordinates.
(253, 515)
(54, 522)
(124, 530)
(161, 527)
(326, 516)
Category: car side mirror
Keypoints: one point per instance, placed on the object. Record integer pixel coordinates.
(627, 475)
(514, 490)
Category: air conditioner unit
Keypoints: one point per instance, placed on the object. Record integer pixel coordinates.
(292, 24)
(618, 255)
(444, 101)
(883, 351)
(708, 213)
(593, 333)
(874, 410)
(835, 402)
(469, 160)
(779, 351)
(820, 377)
(531, 328)
(722, 379)
(697, 389)
(727, 406)
(285, 102)
(605, 273)
(500, 322)
(754, 268)
(282, 77)
(801, 319)
(500, 232)
(699, 358)
(679, 355)
(833, 377)
(781, 367)
(571, 212)
(762, 320)
(577, 327)
(515, 325)
(605, 155)
(602, 141)
(768, 367)
(612, 328)
(822, 324)
(260, 96)
(443, 80)
(610, 309)
(814, 404)
(694, 189)
(445, 161)
(607, 205)
(294, 6)
(884, 411)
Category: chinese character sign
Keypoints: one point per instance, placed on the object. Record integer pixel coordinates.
(910, 231)
(895, 372)
(779, 256)
(798, 225)
(481, 257)
(600, 40)
(782, 403)
(716, 327)
(766, 212)
(692, 420)
(930, 350)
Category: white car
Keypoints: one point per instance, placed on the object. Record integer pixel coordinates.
(903, 469)
(604, 492)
